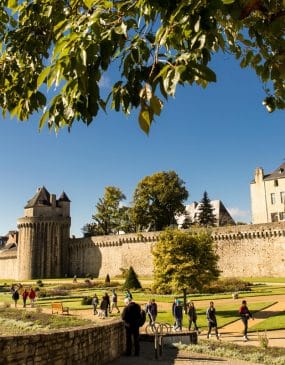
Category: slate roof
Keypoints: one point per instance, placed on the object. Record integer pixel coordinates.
(63, 197)
(276, 174)
(42, 197)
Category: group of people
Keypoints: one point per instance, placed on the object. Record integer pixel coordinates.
(19, 291)
(107, 304)
(177, 311)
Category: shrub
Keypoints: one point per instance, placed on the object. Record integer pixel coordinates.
(132, 281)
(124, 273)
(263, 340)
(231, 285)
(88, 282)
(52, 293)
(86, 301)
(40, 283)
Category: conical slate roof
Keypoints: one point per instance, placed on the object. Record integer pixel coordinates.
(63, 197)
(42, 197)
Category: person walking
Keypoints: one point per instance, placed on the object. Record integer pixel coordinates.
(108, 309)
(95, 302)
(15, 296)
(32, 296)
(114, 304)
(151, 310)
(131, 315)
(128, 295)
(245, 315)
(25, 296)
(192, 316)
(103, 308)
(178, 315)
(212, 321)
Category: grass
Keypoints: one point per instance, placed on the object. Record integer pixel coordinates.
(265, 280)
(275, 322)
(15, 321)
(225, 314)
(269, 356)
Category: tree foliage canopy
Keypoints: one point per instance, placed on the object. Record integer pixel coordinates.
(107, 218)
(157, 199)
(184, 261)
(68, 46)
(206, 216)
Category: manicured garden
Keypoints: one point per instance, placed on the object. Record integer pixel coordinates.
(72, 294)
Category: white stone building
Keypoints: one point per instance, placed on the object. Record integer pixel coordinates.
(223, 217)
(268, 196)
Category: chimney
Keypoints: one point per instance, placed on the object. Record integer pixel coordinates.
(53, 200)
(259, 174)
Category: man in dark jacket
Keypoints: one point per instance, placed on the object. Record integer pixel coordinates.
(132, 317)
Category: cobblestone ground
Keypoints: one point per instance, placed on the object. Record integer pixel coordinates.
(172, 356)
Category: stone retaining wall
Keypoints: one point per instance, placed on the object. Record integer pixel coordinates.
(84, 346)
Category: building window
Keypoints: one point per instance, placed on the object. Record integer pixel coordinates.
(274, 217)
(282, 196)
(282, 216)
(275, 182)
(272, 198)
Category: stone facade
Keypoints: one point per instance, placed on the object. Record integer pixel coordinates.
(45, 250)
(88, 345)
(43, 236)
(246, 250)
(268, 196)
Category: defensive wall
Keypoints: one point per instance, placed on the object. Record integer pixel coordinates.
(8, 264)
(244, 251)
(86, 345)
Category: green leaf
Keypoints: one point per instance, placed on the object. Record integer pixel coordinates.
(12, 4)
(156, 105)
(88, 3)
(43, 119)
(42, 76)
(145, 119)
(228, 2)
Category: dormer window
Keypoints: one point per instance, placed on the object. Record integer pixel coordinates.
(281, 170)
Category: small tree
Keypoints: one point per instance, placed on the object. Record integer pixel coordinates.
(206, 216)
(107, 279)
(184, 261)
(132, 281)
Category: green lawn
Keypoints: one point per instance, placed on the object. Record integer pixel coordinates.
(275, 322)
(264, 280)
(225, 314)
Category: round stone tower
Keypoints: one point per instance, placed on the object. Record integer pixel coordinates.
(44, 234)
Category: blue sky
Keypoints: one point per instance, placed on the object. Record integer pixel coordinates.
(213, 139)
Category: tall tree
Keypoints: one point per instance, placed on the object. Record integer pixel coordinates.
(157, 199)
(108, 211)
(70, 45)
(184, 261)
(206, 216)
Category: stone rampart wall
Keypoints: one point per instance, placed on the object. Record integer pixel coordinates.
(246, 250)
(8, 265)
(95, 346)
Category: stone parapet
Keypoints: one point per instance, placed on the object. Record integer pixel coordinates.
(94, 345)
(113, 240)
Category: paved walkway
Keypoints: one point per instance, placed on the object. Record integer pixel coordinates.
(174, 357)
